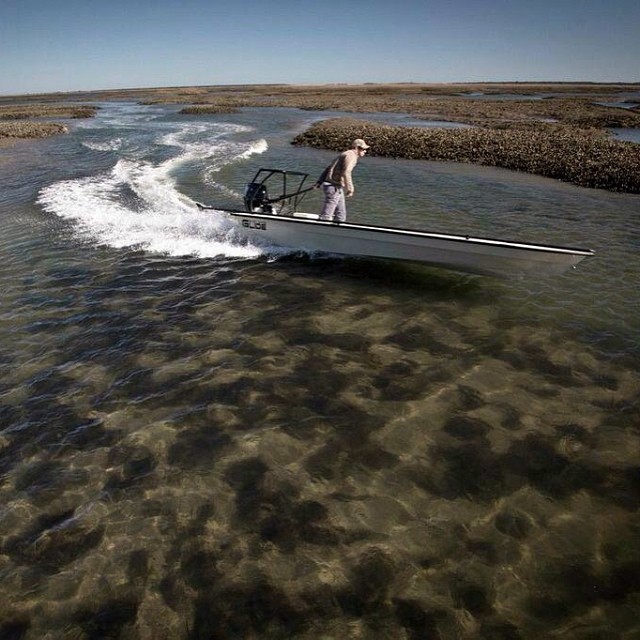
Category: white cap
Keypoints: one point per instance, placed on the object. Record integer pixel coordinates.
(360, 144)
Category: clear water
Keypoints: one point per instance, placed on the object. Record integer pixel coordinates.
(202, 438)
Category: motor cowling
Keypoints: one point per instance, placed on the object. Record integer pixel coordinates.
(256, 198)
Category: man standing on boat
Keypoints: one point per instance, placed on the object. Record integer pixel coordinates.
(336, 182)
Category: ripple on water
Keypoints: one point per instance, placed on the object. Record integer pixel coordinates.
(305, 448)
(274, 456)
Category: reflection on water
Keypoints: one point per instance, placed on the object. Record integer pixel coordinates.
(628, 135)
(222, 447)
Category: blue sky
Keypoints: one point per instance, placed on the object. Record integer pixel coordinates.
(50, 45)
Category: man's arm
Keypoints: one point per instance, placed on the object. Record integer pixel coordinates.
(350, 162)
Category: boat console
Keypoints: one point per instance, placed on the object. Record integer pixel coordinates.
(289, 183)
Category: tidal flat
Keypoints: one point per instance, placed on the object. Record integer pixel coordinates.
(556, 130)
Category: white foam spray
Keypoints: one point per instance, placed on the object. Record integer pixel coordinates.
(136, 204)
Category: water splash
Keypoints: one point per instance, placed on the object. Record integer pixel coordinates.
(108, 145)
(136, 204)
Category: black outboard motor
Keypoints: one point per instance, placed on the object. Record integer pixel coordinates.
(256, 198)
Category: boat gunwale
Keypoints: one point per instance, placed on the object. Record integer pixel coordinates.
(413, 232)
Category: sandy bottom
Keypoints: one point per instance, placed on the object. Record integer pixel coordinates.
(312, 461)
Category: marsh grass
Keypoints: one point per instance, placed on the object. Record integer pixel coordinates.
(478, 104)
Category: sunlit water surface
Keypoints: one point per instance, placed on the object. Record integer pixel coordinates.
(201, 438)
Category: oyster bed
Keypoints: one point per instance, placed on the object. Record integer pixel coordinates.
(582, 157)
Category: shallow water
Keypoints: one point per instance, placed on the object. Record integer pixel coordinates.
(207, 439)
(627, 135)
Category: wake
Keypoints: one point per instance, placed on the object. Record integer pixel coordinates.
(137, 205)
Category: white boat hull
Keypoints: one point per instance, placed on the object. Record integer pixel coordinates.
(462, 253)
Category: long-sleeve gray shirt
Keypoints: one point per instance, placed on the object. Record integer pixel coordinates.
(339, 171)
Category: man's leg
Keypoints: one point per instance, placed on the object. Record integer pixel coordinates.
(332, 196)
(340, 214)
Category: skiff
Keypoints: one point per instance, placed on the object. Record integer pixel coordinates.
(276, 221)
